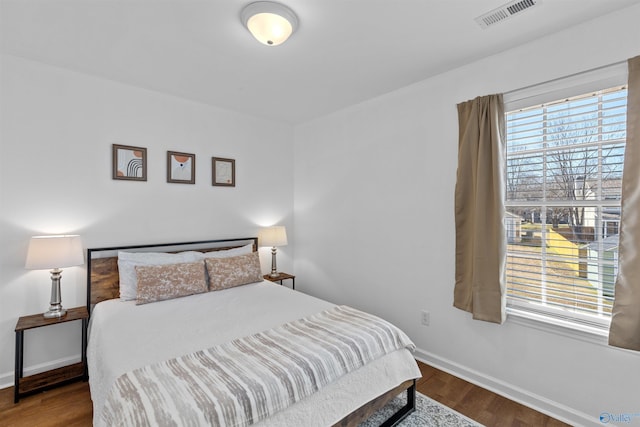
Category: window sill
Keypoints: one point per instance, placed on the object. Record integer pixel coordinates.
(591, 335)
(585, 333)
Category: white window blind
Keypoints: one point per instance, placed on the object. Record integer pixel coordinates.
(564, 177)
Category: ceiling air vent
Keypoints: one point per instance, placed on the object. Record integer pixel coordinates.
(505, 12)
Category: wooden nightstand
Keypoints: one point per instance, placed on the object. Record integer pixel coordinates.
(33, 383)
(280, 277)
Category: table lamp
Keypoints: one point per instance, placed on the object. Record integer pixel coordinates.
(54, 252)
(273, 236)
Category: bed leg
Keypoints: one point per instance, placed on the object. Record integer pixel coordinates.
(405, 410)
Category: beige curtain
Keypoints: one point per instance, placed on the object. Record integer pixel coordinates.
(625, 323)
(479, 208)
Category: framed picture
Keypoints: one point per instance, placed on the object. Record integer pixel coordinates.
(129, 163)
(181, 167)
(224, 172)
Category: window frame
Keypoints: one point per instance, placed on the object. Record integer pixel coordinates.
(553, 90)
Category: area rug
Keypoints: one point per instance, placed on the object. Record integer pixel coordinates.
(428, 413)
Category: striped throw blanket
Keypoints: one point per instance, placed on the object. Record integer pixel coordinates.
(249, 379)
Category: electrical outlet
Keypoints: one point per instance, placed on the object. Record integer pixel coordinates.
(424, 319)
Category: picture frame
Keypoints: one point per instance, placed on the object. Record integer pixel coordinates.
(223, 172)
(129, 163)
(181, 167)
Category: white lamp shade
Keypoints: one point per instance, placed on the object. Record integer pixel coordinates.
(273, 236)
(49, 252)
(270, 23)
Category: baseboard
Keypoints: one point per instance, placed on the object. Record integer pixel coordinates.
(6, 379)
(539, 403)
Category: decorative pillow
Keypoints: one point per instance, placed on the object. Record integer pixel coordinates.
(228, 253)
(127, 262)
(235, 271)
(163, 282)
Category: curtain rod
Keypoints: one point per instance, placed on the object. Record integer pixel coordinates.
(614, 64)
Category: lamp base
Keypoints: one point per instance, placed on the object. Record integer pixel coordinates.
(55, 312)
(55, 304)
(274, 271)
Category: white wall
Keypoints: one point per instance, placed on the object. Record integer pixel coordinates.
(57, 128)
(374, 226)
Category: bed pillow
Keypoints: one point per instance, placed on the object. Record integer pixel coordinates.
(163, 282)
(239, 270)
(127, 262)
(228, 253)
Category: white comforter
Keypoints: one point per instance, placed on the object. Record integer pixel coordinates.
(124, 336)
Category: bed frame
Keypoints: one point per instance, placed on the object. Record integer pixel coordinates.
(103, 284)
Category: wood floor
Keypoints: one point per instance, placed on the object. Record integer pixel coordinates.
(477, 403)
(70, 406)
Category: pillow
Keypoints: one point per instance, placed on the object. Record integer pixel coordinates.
(127, 262)
(227, 253)
(163, 282)
(235, 271)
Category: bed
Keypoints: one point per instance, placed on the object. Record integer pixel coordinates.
(126, 338)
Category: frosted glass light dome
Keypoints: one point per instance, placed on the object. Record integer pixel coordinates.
(270, 23)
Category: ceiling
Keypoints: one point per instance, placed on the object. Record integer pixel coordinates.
(344, 52)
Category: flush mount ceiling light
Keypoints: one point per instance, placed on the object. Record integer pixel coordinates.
(270, 23)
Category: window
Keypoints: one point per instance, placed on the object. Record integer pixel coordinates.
(564, 176)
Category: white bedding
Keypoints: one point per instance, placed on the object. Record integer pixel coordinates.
(124, 336)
